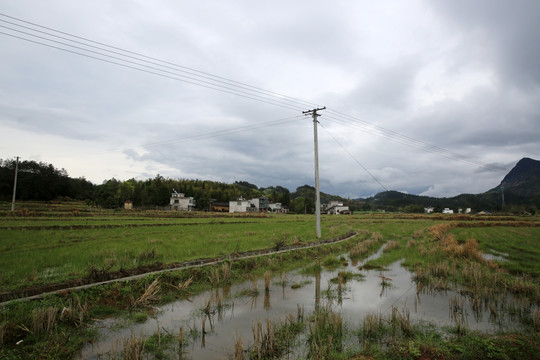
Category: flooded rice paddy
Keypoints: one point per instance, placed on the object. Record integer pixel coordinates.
(211, 322)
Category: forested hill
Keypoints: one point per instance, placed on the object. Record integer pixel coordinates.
(41, 181)
(523, 180)
(520, 187)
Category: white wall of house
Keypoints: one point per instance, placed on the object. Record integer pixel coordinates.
(337, 209)
(180, 202)
(239, 205)
(447, 211)
(276, 207)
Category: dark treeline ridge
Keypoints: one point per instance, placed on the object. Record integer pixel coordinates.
(39, 181)
(43, 182)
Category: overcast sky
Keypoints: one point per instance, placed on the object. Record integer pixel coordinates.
(430, 97)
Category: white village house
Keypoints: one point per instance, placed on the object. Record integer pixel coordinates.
(335, 208)
(241, 205)
(180, 202)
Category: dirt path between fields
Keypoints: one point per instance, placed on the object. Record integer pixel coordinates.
(102, 278)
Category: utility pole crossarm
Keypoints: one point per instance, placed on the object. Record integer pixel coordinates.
(310, 112)
(315, 115)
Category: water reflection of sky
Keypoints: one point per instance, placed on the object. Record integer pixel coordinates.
(236, 319)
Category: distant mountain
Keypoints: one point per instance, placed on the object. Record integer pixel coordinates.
(523, 180)
(521, 192)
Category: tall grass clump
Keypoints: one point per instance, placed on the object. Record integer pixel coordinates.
(364, 247)
(325, 337)
(468, 250)
(44, 320)
(149, 296)
(267, 279)
(440, 230)
(133, 348)
(273, 340)
(391, 245)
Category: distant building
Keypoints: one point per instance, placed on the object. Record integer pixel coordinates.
(219, 206)
(261, 204)
(447, 211)
(128, 205)
(277, 208)
(468, 210)
(180, 202)
(429, 209)
(240, 205)
(335, 208)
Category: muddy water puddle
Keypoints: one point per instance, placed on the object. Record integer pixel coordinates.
(213, 320)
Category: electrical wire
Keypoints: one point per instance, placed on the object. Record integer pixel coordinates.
(366, 127)
(154, 71)
(212, 134)
(82, 46)
(354, 159)
(230, 81)
(136, 61)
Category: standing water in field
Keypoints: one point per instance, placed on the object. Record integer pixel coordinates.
(210, 325)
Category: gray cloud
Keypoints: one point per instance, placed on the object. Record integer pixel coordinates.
(461, 76)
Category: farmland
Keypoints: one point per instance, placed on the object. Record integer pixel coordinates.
(47, 246)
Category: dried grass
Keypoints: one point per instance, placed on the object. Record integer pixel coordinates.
(75, 311)
(133, 348)
(438, 231)
(238, 348)
(150, 295)
(44, 319)
(391, 245)
(267, 278)
(536, 319)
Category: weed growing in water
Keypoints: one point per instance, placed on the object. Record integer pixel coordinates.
(272, 340)
(325, 334)
(267, 278)
(133, 348)
(238, 348)
(331, 263)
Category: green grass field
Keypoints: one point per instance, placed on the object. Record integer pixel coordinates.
(44, 244)
(50, 243)
(48, 248)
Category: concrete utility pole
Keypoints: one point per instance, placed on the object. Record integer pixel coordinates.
(314, 114)
(15, 185)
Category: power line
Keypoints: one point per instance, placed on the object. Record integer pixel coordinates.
(82, 46)
(300, 101)
(354, 159)
(365, 126)
(129, 58)
(213, 134)
(154, 71)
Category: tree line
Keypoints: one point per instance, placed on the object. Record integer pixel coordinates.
(43, 182)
